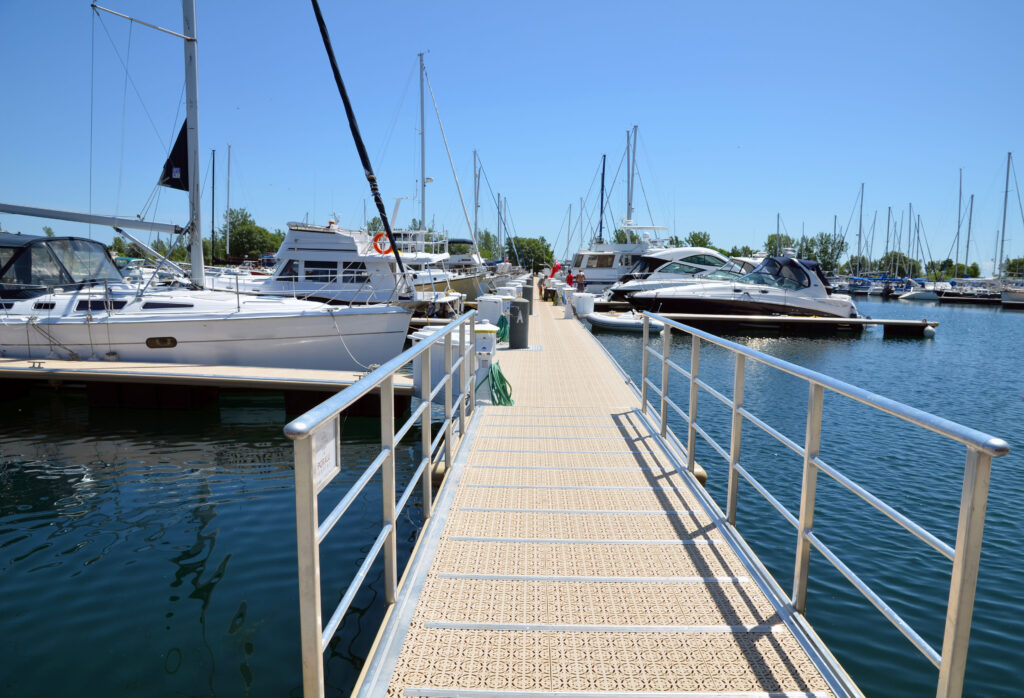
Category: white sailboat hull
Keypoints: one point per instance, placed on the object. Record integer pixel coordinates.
(342, 339)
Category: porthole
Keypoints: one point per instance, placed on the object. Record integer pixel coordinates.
(161, 342)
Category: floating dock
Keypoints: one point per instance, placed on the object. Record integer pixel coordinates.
(188, 386)
(570, 553)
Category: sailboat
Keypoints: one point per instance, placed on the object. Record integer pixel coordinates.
(63, 297)
(605, 263)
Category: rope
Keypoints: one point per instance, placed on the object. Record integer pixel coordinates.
(503, 329)
(501, 390)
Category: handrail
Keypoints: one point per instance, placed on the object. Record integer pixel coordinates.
(316, 442)
(991, 445)
(981, 448)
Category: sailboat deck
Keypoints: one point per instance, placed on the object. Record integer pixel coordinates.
(570, 555)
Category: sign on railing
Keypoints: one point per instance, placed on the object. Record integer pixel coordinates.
(317, 442)
(981, 448)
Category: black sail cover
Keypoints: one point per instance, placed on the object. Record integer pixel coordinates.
(175, 173)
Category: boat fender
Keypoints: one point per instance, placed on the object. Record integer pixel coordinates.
(381, 244)
(929, 331)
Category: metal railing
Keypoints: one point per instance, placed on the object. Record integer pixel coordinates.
(981, 448)
(317, 443)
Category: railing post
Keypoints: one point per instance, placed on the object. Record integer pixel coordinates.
(735, 437)
(425, 435)
(808, 492)
(449, 376)
(306, 524)
(387, 441)
(462, 380)
(691, 431)
(471, 395)
(964, 579)
(643, 364)
(666, 345)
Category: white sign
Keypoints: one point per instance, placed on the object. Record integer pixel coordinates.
(325, 456)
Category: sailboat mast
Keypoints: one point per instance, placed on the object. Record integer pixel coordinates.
(227, 213)
(860, 227)
(629, 178)
(888, 221)
(213, 203)
(600, 219)
(967, 247)
(1006, 196)
(476, 195)
(188, 11)
(959, 214)
(423, 154)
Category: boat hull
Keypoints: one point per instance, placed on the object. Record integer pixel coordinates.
(327, 340)
(731, 306)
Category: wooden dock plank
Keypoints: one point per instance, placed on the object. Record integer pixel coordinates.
(574, 558)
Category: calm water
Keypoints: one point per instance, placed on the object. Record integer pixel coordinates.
(153, 553)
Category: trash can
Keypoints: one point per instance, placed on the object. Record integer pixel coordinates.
(519, 324)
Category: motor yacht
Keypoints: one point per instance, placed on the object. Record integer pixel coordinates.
(778, 286)
(668, 267)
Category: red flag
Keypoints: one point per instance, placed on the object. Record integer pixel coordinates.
(555, 268)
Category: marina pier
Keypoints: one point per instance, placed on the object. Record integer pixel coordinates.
(571, 550)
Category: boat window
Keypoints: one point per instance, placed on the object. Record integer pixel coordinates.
(85, 260)
(354, 273)
(704, 260)
(161, 342)
(6, 253)
(643, 267)
(34, 266)
(577, 261)
(600, 261)
(290, 271)
(771, 273)
(158, 305)
(322, 272)
(100, 305)
(679, 268)
(44, 306)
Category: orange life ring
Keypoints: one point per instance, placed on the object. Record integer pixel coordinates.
(377, 246)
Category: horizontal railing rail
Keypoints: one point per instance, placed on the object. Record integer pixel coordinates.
(317, 443)
(981, 449)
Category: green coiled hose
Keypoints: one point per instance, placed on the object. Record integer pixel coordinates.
(502, 329)
(501, 390)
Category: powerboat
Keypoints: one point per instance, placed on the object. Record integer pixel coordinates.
(63, 298)
(343, 266)
(668, 267)
(778, 286)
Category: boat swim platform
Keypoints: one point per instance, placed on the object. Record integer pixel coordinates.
(571, 554)
(188, 386)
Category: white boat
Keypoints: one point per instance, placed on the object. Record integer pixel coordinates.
(928, 291)
(343, 266)
(623, 322)
(65, 298)
(778, 286)
(672, 267)
(1013, 297)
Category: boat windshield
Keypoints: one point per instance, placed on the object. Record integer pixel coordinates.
(49, 262)
(722, 275)
(643, 268)
(778, 271)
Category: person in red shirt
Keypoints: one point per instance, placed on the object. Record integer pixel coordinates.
(569, 278)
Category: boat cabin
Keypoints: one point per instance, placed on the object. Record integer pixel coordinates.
(33, 265)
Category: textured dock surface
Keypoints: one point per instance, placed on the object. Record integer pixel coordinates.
(575, 559)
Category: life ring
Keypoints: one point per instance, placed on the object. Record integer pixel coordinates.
(377, 243)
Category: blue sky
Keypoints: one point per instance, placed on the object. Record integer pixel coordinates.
(745, 109)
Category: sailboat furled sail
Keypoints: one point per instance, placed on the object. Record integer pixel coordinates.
(175, 172)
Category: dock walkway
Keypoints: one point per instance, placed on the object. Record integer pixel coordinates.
(570, 553)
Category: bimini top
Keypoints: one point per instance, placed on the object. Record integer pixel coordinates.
(786, 272)
(31, 265)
